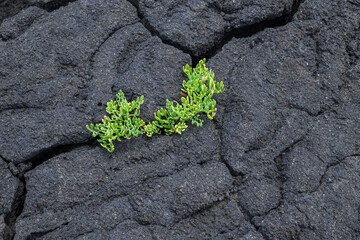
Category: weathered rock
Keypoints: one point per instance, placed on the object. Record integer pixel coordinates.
(49, 66)
(259, 195)
(199, 25)
(339, 187)
(302, 170)
(279, 161)
(5, 231)
(10, 8)
(295, 113)
(8, 192)
(224, 220)
(68, 194)
(77, 76)
(49, 4)
(284, 222)
(15, 26)
(8, 185)
(141, 65)
(172, 198)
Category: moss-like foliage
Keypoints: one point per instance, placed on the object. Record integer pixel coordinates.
(125, 123)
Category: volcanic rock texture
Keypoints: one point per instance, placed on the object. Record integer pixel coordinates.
(281, 160)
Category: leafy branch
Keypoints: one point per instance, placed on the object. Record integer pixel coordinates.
(124, 122)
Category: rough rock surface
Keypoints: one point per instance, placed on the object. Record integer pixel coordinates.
(198, 25)
(49, 5)
(8, 190)
(281, 160)
(9, 8)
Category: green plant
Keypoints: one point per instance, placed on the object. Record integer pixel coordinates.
(199, 91)
(124, 122)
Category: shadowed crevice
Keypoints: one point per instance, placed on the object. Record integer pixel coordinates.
(17, 205)
(16, 208)
(48, 153)
(248, 31)
(154, 32)
(37, 235)
(9, 8)
(51, 5)
(242, 32)
(249, 218)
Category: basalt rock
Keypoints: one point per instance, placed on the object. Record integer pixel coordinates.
(280, 160)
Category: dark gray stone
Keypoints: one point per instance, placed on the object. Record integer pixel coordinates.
(15, 26)
(79, 79)
(41, 130)
(8, 186)
(317, 214)
(8, 190)
(5, 231)
(303, 170)
(130, 230)
(339, 187)
(70, 196)
(279, 161)
(141, 65)
(9, 8)
(49, 68)
(172, 198)
(199, 25)
(292, 98)
(49, 5)
(285, 222)
(259, 195)
(224, 220)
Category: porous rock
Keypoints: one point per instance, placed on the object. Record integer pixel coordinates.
(8, 187)
(49, 67)
(5, 231)
(224, 217)
(49, 5)
(68, 194)
(8, 193)
(300, 99)
(279, 161)
(11, 8)
(16, 25)
(199, 25)
(56, 98)
(177, 196)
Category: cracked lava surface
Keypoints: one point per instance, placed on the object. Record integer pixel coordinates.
(281, 160)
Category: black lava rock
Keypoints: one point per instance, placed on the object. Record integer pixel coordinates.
(280, 160)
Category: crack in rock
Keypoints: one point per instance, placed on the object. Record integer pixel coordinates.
(49, 153)
(50, 5)
(154, 32)
(250, 219)
(16, 208)
(240, 32)
(328, 167)
(21, 191)
(259, 148)
(36, 235)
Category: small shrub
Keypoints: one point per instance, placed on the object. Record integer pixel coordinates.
(124, 122)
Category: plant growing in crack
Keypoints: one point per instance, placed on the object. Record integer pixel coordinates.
(124, 121)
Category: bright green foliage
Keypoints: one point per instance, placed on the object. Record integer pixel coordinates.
(199, 89)
(124, 121)
(151, 129)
